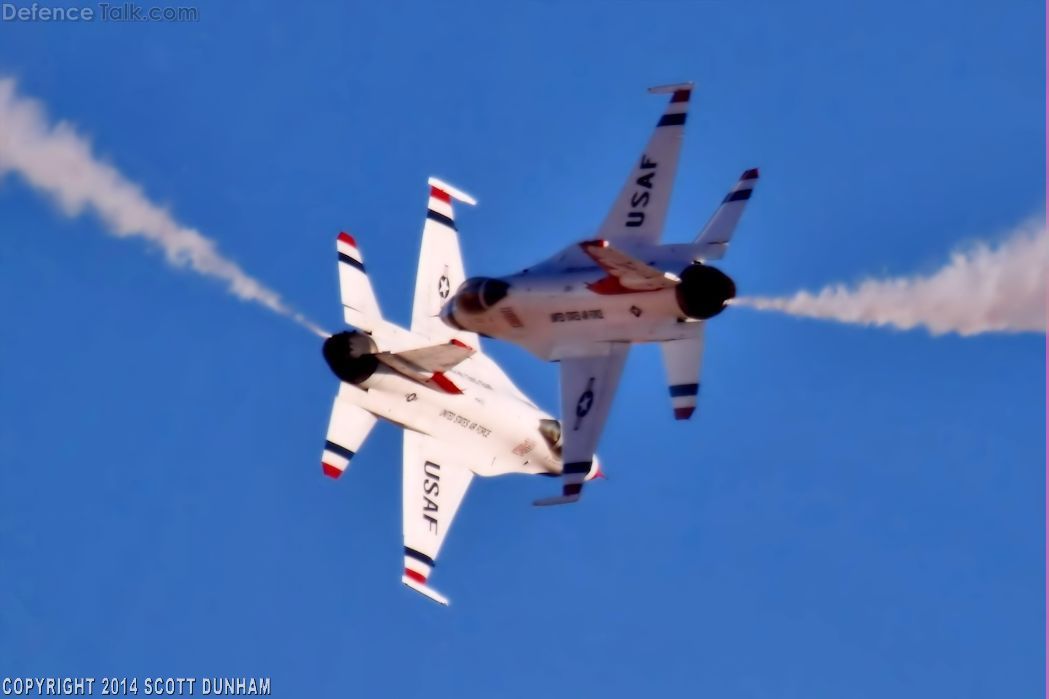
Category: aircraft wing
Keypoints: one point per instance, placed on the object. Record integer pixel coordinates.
(640, 209)
(433, 487)
(588, 385)
(440, 269)
(626, 274)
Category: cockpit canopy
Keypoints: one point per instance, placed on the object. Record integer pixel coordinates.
(551, 431)
(478, 294)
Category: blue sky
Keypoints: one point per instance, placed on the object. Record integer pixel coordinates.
(853, 512)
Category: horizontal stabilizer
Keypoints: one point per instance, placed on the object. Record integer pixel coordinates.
(348, 428)
(683, 360)
(424, 590)
(360, 307)
(717, 234)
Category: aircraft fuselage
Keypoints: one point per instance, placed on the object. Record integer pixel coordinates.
(501, 432)
(568, 305)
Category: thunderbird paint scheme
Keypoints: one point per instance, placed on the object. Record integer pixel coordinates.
(585, 306)
(462, 416)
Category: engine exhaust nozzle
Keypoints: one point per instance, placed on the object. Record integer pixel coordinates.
(351, 356)
(704, 291)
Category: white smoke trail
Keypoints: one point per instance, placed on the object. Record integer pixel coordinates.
(56, 160)
(983, 288)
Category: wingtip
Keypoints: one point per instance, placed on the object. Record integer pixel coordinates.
(751, 174)
(687, 86)
(449, 190)
(683, 413)
(556, 500)
(330, 471)
(426, 591)
(347, 238)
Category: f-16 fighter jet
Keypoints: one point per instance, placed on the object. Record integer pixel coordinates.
(460, 413)
(587, 304)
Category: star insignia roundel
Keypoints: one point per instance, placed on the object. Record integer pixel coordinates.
(586, 400)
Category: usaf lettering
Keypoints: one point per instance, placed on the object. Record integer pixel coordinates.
(431, 487)
(640, 198)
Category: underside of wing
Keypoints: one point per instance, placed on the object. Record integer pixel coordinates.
(640, 210)
(434, 484)
(626, 274)
(588, 385)
(440, 269)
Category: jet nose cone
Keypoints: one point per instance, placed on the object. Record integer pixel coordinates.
(448, 315)
(478, 294)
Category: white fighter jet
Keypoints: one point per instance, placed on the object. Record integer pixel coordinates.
(587, 304)
(460, 412)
